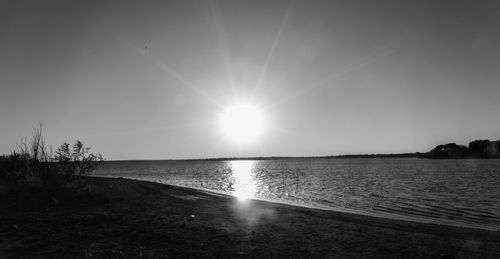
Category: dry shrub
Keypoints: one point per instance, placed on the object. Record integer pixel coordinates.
(33, 165)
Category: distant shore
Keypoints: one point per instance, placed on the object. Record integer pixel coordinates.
(477, 149)
(396, 155)
(131, 218)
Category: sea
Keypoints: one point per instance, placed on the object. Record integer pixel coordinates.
(457, 192)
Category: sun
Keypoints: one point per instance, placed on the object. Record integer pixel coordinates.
(242, 123)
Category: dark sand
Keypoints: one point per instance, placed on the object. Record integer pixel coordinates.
(142, 219)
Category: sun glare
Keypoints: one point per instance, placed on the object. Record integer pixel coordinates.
(244, 185)
(242, 123)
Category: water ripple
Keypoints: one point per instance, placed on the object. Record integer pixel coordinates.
(458, 192)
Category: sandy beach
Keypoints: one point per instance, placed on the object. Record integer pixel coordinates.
(133, 219)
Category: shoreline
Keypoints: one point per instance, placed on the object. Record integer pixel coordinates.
(154, 220)
(381, 215)
(349, 212)
(399, 219)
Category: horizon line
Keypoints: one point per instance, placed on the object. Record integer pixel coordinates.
(379, 155)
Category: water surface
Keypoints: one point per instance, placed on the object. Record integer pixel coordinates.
(454, 192)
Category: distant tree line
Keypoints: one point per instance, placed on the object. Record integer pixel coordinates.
(476, 149)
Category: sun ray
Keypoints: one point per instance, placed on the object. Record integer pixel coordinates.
(183, 80)
(265, 67)
(355, 66)
(172, 72)
(222, 46)
(143, 130)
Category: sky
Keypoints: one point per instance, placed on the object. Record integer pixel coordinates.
(151, 79)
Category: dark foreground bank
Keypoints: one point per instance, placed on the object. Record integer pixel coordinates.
(133, 219)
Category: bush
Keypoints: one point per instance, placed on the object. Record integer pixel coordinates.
(33, 165)
(13, 168)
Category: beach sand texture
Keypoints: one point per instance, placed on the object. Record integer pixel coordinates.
(134, 219)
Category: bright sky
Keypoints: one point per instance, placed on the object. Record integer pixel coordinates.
(151, 79)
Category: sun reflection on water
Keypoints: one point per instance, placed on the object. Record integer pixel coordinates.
(244, 185)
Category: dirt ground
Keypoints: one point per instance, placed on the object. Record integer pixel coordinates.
(133, 219)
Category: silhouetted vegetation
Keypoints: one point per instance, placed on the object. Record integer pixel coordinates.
(476, 149)
(33, 167)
